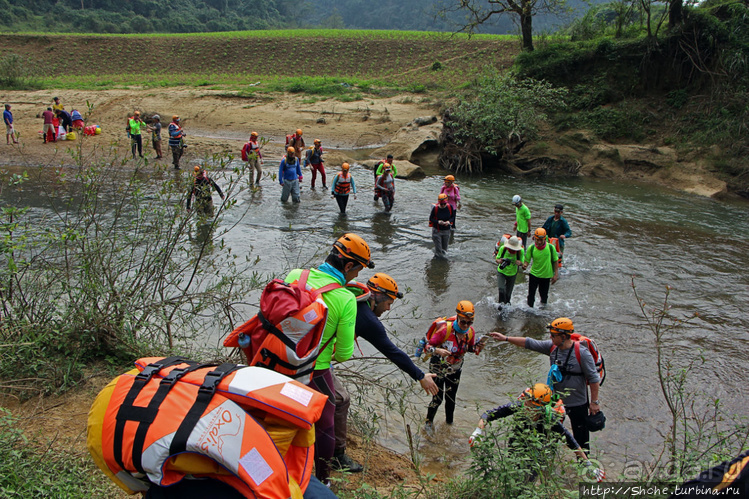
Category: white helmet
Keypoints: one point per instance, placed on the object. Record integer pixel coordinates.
(516, 199)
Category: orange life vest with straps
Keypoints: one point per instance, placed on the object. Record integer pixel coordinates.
(554, 241)
(343, 184)
(285, 335)
(246, 426)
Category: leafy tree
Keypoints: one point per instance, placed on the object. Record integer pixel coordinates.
(501, 115)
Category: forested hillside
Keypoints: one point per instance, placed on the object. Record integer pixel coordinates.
(195, 16)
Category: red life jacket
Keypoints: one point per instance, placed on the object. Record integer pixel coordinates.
(577, 338)
(173, 417)
(285, 334)
(343, 184)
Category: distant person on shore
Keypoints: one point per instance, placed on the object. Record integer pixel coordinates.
(49, 131)
(453, 194)
(155, 129)
(251, 153)
(441, 220)
(522, 219)
(343, 185)
(313, 158)
(134, 124)
(176, 140)
(66, 121)
(385, 187)
(379, 168)
(57, 105)
(289, 176)
(557, 226)
(202, 193)
(8, 120)
(77, 119)
(297, 142)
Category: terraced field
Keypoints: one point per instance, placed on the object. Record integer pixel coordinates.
(413, 60)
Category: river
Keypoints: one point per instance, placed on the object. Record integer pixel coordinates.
(619, 231)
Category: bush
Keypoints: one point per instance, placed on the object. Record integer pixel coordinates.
(17, 72)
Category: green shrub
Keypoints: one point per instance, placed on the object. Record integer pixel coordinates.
(17, 72)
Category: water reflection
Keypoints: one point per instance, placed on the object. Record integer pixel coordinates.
(383, 228)
(436, 273)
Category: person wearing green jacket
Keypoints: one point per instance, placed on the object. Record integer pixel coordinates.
(134, 124)
(544, 270)
(522, 219)
(349, 255)
(510, 256)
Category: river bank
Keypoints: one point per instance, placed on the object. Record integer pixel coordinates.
(217, 122)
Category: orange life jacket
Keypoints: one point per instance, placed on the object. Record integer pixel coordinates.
(285, 335)
(343, 184)
(246, 426)
(554, 241)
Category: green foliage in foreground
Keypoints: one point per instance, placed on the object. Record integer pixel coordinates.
(26, 471)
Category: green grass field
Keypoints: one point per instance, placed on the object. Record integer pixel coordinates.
(279, 60)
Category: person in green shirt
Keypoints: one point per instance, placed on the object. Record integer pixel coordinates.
(522, 219)
(544, 270)
(349, 255)
(510, 256)
(134, 125)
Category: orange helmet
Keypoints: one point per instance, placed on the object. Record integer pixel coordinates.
(197, 169)
(538, 394)
(562, 325)
(383, 283)
(441, 196)
(175, 118)
(253, 134)
(465, 309)
(540, 233)
(136, 113)
(449, 178)
(345, 166)
(354, 247)
(317, 141)
(290, 150)
(298, 131)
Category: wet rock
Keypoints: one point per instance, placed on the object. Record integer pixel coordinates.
(416, 144)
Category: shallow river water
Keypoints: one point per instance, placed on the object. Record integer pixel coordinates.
(661, 237)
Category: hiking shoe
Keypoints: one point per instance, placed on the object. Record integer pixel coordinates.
(343, 462)
(429, 428)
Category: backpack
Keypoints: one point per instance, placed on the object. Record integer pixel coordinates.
(290, 140)
(245, 150)
(594, 351)
(435, 207)
(285, 334)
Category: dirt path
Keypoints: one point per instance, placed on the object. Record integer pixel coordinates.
(213, 121)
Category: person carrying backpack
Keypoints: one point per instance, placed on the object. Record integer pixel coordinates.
(254, 158)
(545, 267)
(290, 176)
(573, 370)
(349, 256)
(296, 141)
(509, 256)
(313, 159)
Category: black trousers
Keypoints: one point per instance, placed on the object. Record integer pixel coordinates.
(579, 429)
(447, 382)
(342, 202)
(540, 283)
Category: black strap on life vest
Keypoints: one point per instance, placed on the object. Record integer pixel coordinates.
(143, 415)
(205, 394)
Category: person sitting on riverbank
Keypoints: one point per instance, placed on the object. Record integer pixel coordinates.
(576, 375)
(537, 411)
(448, 340)
(343, 185)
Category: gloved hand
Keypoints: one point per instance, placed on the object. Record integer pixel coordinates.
(593, 473)
(474, 436)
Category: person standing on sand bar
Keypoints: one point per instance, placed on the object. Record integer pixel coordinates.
(8, 120)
